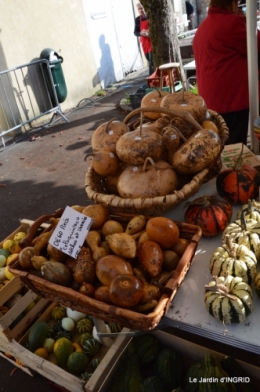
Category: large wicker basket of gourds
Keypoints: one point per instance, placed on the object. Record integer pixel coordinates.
(155, 162)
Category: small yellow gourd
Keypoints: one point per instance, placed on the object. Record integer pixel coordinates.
(93, 240)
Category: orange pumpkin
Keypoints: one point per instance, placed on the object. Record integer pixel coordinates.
(238, 185)
(211, 213)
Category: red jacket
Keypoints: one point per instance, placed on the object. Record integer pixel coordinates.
(220, 49)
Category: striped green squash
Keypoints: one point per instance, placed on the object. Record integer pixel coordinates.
(229, 299)
(84, 325)
(233, 259)
(91, 347)
(83, 337)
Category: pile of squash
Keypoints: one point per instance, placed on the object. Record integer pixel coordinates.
(69, 339)
(159, 153)
(233, 265)
(124, 264)
(150, 366)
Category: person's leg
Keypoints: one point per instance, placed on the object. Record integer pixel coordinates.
(149, 57)
(237, 123)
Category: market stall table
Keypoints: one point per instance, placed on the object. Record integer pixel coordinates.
(188, 313)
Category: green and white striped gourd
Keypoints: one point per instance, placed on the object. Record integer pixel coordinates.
(229, 299)
(244, 233)
(91, 347)
(84, 325)
(233, 259)
(252, 209)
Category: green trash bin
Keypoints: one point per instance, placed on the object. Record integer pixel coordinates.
(57, 75)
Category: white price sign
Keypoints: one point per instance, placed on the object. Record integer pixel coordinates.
(70, 233)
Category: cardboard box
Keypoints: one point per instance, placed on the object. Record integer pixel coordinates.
(231, 153)
(189, 352)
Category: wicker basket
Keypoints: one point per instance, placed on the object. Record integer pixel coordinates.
(95, 185)
(127, 318)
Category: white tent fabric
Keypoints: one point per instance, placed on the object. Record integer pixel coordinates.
(251, 12)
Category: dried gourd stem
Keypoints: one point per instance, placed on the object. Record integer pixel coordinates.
(149, 159)
(108, 124)
(239, 162)
(220, 288)
(243, 219)
(186, 116)
(204, 201)
(178, 131)
(231, 248)
(159, 91)
(88, 155)
(141, 124)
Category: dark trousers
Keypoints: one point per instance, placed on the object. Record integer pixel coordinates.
(237, 122)
(149, 57)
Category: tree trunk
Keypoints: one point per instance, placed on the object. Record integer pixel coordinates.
(163, 31)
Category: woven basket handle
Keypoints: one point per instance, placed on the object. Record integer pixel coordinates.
(186, 116)
(27, 241)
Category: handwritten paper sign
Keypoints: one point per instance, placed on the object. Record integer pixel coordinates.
(231, 153)
(70, 233)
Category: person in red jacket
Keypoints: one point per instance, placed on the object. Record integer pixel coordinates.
(142, 31)
(220, 50)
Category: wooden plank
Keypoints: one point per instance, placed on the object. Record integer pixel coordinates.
(9, 290)
(47, 369)
(23, 368)
(17, 309)
(18, 331)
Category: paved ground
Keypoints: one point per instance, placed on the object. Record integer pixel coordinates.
(44, 170)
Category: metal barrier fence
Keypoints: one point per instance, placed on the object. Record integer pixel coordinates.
(27, 92)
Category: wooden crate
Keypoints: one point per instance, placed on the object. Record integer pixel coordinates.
(189, 352)
(6, 319)
(59, 376)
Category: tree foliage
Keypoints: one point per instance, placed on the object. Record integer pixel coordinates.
(162, 30)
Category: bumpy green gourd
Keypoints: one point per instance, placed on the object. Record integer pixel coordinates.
(233, 369)
(154, 384)
(146, 347)
(205, 376)
(170, 368)
(128, 377)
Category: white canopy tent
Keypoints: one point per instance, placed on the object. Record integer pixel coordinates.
(251, 12)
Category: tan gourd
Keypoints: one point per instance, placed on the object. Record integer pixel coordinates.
(201, 149)
(185, 101)
(153, 99)
(107, 134)
(98, 213)
(148, 180)
(104, 163)
(172, 139)
(110, 266)
(134, 147)
(93, 240)
(122, 244)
